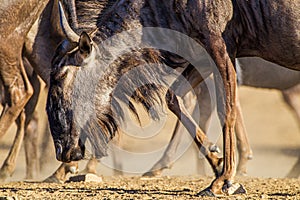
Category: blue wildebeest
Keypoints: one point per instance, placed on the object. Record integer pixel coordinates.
(227, 29)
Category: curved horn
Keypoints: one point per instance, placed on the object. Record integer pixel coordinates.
(69, 33)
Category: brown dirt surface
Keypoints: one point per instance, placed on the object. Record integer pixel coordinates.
(175, 187)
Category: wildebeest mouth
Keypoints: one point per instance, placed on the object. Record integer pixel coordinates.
(69, 153)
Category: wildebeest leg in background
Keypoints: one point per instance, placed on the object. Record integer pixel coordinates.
(91, 166)
(31, 148)
(292, 97)
(117, 164)
(206, 106)
(31, 159)
(167, 159)
(59, 176)
(294, 172)
(31, 129)
(9, 165)
(18, 91)
(243, 145)
(47, 151)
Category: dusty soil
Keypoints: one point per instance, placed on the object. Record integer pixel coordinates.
(174, 187)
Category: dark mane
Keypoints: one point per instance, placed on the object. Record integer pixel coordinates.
(145, 86)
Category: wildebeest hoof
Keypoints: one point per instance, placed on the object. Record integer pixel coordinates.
(227, 189)
(152, 173)
(206, 192)
(231, 189)
(214, 148)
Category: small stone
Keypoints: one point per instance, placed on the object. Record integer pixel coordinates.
(86, 178)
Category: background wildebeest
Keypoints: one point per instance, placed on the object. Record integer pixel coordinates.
(227, 29)
(25, 34)
(29, 31)
(17, 18)
(26, 129)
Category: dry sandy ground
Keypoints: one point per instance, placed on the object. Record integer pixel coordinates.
(174, 187)
(274, 137)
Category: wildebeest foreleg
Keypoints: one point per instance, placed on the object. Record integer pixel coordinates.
(226, 86)
(176, 106)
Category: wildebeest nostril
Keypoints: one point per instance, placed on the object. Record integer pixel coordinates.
(59, 150)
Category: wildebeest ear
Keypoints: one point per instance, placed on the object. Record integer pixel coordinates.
(85, 43)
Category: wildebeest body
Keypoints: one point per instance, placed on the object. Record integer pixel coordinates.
(226, 29)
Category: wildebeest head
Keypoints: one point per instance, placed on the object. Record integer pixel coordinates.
(65, 63)
(68, 58)
(72, 92)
